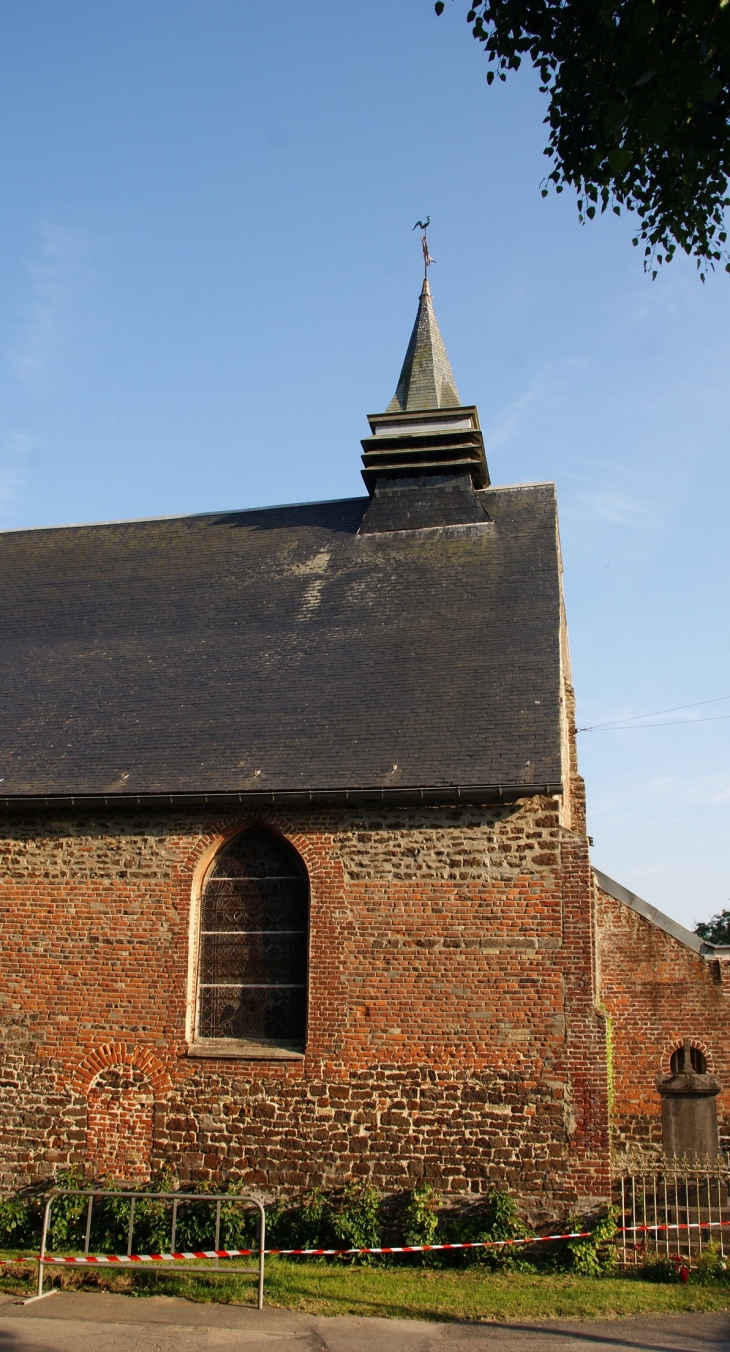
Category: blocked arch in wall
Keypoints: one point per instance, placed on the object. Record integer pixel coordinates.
(122, 1086)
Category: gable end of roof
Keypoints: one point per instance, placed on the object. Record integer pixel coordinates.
(656, 917)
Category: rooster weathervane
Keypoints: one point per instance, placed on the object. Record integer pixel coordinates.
(427, 259)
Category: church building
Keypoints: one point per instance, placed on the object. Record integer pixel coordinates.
(294, 873)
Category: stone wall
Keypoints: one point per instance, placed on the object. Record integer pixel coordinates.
(658, 992)
(453, 1033)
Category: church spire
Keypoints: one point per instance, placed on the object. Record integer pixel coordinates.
(426, 432)
(426, 380)
(424, 461)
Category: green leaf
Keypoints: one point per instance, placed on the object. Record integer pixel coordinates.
(644, 19)
(615, 118)
(699, 8)
(657, 120)
(661, 154)
(692, 76)
(619, 159)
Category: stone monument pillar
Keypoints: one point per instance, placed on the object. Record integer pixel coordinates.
(689, 1113)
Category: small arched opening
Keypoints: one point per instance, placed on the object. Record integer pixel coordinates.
(688, 1058)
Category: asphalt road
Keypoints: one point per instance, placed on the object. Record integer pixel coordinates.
(85, 1322)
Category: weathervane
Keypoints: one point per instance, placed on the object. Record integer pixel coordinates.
(427, 259)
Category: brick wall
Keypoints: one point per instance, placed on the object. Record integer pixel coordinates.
(658, 992)
(453, 1033)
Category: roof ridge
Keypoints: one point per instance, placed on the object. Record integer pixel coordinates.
(180, 516)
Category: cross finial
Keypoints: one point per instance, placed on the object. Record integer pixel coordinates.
(427, 259)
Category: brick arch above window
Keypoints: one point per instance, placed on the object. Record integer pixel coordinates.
(700, 1055)
(198, 862)
(133, 1056)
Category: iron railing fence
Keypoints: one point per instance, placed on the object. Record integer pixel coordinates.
(673, 1210)
(172, 1201)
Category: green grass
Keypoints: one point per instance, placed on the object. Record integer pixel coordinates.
(320, 1287)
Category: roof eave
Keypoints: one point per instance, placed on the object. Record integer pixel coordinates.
(449, 794)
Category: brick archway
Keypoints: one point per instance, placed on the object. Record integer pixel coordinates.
(208, 845)
(695, 1043)
(121, 1085)
(130, 1054)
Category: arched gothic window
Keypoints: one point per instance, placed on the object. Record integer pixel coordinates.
(253, 944)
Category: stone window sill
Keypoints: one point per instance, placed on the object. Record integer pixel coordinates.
(233, 1048)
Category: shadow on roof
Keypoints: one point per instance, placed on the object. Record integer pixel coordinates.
(342, 515)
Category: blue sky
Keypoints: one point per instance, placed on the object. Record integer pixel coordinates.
(208, 278)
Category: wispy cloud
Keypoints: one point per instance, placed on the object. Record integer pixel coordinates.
(508, 423)
(712, 790)
(59, 272)
(615, 509)
(14, 456)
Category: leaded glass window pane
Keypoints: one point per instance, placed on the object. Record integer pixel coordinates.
(253, 944)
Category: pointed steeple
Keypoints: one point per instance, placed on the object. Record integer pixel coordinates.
(426, 433)
(426, 380)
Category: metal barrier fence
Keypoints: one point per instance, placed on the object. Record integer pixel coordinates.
(673, 1211)
(664, 1212)
(218, 1200)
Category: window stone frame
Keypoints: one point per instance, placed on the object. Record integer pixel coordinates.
(234, 1048)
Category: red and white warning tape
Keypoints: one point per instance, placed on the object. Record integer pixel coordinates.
(683, 1225)
(96, 1260)
(432, 1248)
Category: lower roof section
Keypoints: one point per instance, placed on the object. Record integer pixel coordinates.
(658, 918)
(278, 655)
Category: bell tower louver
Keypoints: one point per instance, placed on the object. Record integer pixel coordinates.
(426, 440)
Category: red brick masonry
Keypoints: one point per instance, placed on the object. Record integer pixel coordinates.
(453, 1027)
(658, 990)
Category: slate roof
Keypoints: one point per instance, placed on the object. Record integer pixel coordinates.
(278, 652)
(426, 379)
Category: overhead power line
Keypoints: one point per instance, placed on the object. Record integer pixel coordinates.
(670, 723)
(619, 724)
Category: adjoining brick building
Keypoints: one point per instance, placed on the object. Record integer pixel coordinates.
(294, 871)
